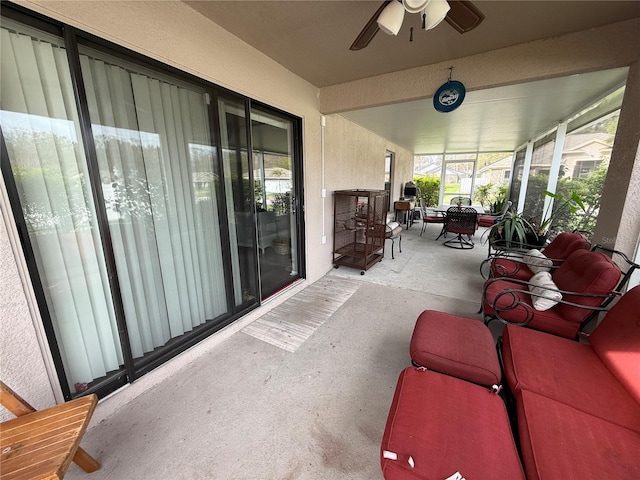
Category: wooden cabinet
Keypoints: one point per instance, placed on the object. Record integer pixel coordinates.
(360, 218)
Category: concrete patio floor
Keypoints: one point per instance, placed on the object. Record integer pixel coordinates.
(244, 409)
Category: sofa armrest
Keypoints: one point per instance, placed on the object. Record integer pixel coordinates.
(516, 260)
(510, 299)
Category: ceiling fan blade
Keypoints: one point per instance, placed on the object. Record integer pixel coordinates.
(370, 29)
(464, 15)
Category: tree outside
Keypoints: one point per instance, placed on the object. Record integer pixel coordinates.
(588, 188)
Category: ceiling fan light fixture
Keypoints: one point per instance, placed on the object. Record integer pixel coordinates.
(390, 20)
(435, 11)
(415, 6)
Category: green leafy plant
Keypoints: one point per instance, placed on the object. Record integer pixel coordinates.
(499, 199)
(492, 196)
(281, 203)
(560, 205)
(512, 231)
(483, 194)
(428, 190)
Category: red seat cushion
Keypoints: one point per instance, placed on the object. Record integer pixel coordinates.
(558, 250)
(566, 371)
(458, 346)
(503, 267)
(617, 341)
(487, 220)
(564, 245)
(585, 272)
(447, 425)
(560, 442)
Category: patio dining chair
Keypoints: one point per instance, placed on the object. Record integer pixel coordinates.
(461, 221)
(429, 217)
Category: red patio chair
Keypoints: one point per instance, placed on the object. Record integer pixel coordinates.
(428, 217)
(587, 282)
(490, 220)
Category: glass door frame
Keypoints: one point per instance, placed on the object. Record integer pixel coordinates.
(447, 161)
(297, 197)
(132, 369)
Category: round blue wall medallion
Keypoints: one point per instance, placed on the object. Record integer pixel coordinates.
(449, 96)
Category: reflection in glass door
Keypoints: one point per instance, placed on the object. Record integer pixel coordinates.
(239, 195)
(274, 174)
(156, 164)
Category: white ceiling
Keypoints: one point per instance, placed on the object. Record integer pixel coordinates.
(497, 119)
(312, 39)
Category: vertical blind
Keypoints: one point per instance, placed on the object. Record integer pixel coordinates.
(149, 136)
(41, 130)
(156, 167)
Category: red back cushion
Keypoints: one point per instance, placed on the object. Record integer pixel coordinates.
(617, 341)
(585, 272)
(565, 244)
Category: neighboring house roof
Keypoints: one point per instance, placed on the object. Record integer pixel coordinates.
(433, 169)
(502, 164)
(590, 150)
(436, 172)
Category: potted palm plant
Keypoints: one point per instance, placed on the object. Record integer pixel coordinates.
(512, 231)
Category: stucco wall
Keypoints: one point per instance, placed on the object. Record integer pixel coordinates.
(619, 222)
(21, 363)
(355, 158)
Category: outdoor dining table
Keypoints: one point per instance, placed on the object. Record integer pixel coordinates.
(444, 208)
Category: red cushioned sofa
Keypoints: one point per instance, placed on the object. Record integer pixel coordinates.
(577, 405)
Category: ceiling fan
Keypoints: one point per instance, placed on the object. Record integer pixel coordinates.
(460, 14)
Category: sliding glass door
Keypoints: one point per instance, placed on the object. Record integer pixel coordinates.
(276, 186)
(140, 202)
(234, 140)
(156, 162)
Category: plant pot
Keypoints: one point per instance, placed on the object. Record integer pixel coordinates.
(536, 241)
(281, 246)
